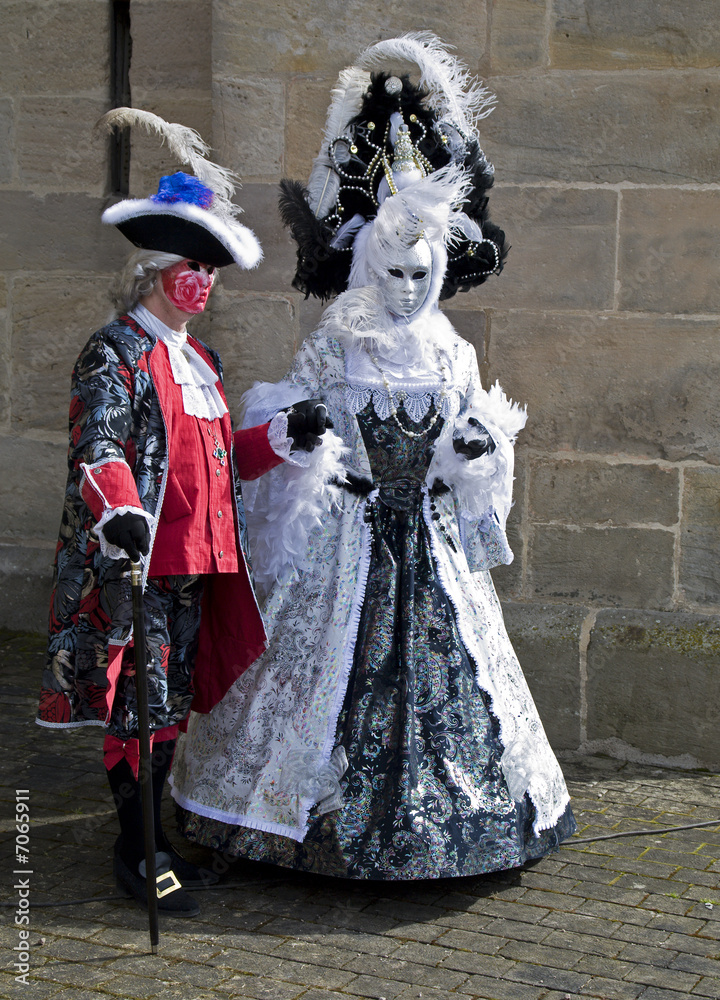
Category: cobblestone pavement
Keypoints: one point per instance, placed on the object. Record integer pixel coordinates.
(619, 919)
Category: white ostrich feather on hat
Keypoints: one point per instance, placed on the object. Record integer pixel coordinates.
(206, 229)
(346, 102)
(457, 96)
(188, 146)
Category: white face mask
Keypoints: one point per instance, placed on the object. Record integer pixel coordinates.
(405, 284)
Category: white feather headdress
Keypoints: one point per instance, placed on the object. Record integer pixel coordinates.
(382, 134)
(457, 97)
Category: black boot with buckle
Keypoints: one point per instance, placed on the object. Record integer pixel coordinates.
(129, 851)
(172, 898)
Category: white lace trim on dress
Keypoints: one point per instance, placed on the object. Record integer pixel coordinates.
(415, 393)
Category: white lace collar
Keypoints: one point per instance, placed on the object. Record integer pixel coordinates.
(389, 380)
(192, 373)
(360, 369)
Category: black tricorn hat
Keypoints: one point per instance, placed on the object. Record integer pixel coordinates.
(192, 215)
(178, 219)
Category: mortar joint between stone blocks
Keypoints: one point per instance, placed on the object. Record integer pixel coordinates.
(677, 594)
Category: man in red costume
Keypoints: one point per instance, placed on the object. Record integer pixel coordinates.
(154, 470)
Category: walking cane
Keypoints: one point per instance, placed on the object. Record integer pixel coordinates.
(141, 685)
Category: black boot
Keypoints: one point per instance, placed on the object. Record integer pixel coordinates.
(130, 845)
(188, 873)
(129, 852)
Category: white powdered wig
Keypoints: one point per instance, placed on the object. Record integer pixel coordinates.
(138, 277)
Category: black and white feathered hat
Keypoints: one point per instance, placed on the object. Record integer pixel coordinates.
(191, 215)
(382, 133)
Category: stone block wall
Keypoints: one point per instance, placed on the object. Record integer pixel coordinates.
(54, 266)
(605, 321)
(607, 148)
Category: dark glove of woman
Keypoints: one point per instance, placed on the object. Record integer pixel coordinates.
(129, 531)
(480, 444)
(307, 421)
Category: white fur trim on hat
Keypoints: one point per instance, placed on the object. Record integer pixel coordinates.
(237, 239)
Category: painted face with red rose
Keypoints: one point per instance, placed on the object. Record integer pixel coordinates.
(187, 284)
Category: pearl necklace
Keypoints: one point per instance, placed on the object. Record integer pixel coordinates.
(393, 408)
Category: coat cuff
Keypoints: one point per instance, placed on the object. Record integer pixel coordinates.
(108, 485)
(108, 488)
(107, 548)
(254, 455)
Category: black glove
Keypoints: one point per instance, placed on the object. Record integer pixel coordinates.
(129, 531)
(307, 421)
(481, 443)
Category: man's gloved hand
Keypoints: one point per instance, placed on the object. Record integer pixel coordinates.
(129, 531)
(307, 421)
(480, 444)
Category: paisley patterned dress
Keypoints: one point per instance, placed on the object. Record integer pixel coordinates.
(424, 794)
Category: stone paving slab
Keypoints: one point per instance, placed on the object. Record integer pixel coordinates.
(636, 918)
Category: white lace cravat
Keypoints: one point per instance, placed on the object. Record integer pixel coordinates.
(194, 376)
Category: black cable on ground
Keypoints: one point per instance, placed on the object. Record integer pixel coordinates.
(639, 833)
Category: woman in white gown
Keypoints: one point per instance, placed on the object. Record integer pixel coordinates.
(387, 732)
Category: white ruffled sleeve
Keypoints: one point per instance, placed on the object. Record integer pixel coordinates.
(482, 487)
(285, 504)
(107, 548)
(281, 443)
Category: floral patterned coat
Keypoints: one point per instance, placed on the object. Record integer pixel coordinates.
(116, 417)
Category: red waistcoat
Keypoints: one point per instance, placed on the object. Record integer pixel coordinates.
(196, 531)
